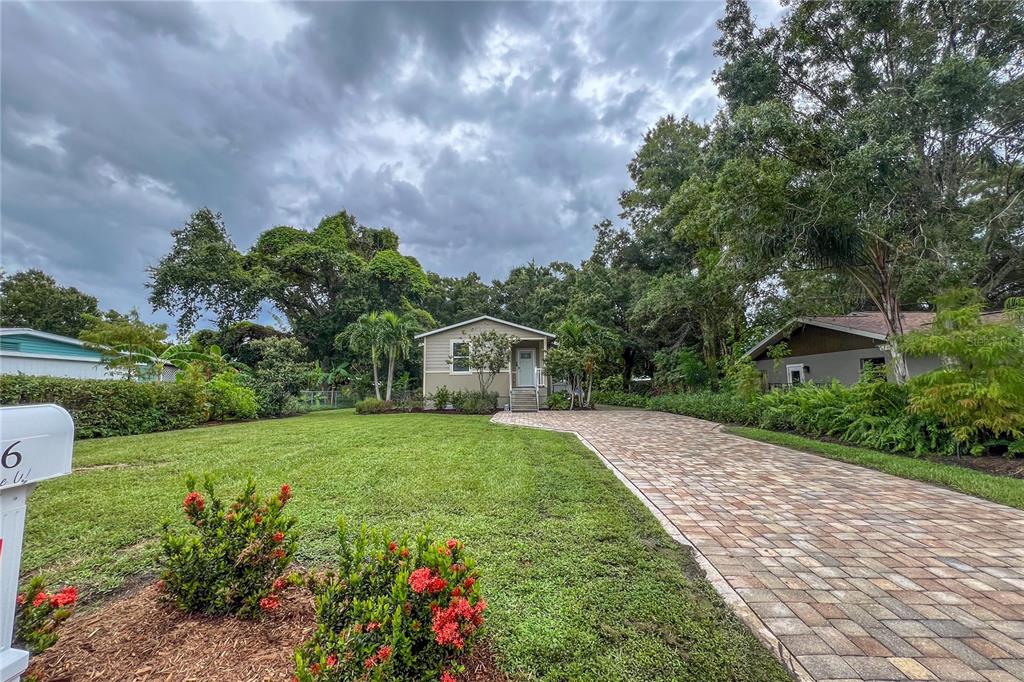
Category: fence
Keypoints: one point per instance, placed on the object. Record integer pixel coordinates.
(326, 400)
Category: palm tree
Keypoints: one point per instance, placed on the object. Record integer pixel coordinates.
(365, 336)
(396, 339)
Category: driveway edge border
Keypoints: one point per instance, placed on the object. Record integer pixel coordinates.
(717, 580)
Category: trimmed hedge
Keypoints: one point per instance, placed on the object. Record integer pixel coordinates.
(727, 408)
(111, 407)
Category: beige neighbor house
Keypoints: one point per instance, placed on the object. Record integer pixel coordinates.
(522, 386)
(822, 349)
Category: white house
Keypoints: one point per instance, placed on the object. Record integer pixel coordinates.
(36, 353)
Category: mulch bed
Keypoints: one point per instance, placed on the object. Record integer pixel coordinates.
(140, 637)
(989, 464)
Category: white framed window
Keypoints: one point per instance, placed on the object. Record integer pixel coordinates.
(795, 374)
(460, 357)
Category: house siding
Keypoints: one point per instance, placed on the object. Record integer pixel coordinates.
(842, 366)
(437, 371)
(24, 343)
(49, 367)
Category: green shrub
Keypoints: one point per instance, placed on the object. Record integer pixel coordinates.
(678, 370)
(112, 407)
(872, 413)
(373, 406)
(393, 610)
(228, 399)
(557, 401)
(38, 615)
(279, 375)
(724, 407)
(229, 560)
(978, 393)
(620, 399)
(473, 402)
(442, 398)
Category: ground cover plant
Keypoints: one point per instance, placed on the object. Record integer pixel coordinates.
(581, 581)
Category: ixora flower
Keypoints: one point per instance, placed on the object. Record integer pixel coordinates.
(420, 579)
(447, 677)
(66, 597)
(453, 543)
(459, 619)
(40, 599)
(269, 603)
(278, 536)
(285, 494)
(194, 502)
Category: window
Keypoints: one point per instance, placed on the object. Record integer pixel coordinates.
(460, 357)
(871, 362)
(795, 374)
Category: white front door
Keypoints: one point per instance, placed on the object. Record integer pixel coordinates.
(525, 365)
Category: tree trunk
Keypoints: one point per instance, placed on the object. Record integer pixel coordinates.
(882, 285)
(590, 386)
(628, 362)
(376, 376)
(391, 373)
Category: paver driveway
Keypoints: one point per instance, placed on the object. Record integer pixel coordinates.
(858, 574)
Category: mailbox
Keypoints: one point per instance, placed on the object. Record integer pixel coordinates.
(35, 445)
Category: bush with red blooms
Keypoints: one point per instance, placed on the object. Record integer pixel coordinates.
(38, 613)
(394, 610)
(230, 559)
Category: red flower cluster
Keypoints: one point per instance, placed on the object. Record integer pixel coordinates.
(66, 597)
(285, 494)
(278, 553)
(447, 677)
(383, 654)
(278, 536)
(460, 618)
(40, 599)
(269, 603)
(194, 502)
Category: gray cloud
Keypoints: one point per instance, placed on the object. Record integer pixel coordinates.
(485, 134)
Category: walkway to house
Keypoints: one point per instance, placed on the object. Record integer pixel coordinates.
(857, 574)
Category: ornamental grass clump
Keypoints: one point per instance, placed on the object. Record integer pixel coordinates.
(38, 615)
(393, 610)
(230, 559)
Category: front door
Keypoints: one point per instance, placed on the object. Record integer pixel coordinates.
(525, 365)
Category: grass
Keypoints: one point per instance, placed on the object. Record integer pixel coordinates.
(582, 581)
(1008, 491)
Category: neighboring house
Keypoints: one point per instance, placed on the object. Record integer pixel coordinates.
(522, 386)
(28, 351)
(825, 348)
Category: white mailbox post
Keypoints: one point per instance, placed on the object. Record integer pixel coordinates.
(35, 444)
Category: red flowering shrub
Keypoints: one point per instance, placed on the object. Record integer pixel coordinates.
(230, 559)
(38, 614)
(394, 610)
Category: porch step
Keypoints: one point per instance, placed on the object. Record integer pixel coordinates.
(524, 400)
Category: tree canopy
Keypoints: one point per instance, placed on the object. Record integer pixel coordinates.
(33, 299)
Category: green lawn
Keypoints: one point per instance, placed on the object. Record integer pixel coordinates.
(582, 581)
(1008, 491)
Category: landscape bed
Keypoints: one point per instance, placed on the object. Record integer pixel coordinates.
(581, 581)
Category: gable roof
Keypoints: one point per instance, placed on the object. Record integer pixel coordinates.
(871, 325)
(484, 317)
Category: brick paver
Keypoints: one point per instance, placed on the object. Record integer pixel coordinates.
(849, 572)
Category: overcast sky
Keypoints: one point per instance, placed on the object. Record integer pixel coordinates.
(485, 134)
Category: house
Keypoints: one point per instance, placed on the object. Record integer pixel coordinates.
(821, 349)
(32, 352)
(523, 385)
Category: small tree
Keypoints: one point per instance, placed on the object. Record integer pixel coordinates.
(128, 344)
(396, 336)
(979, 391)
(570, 365)
(490, 352)
(365, 336)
